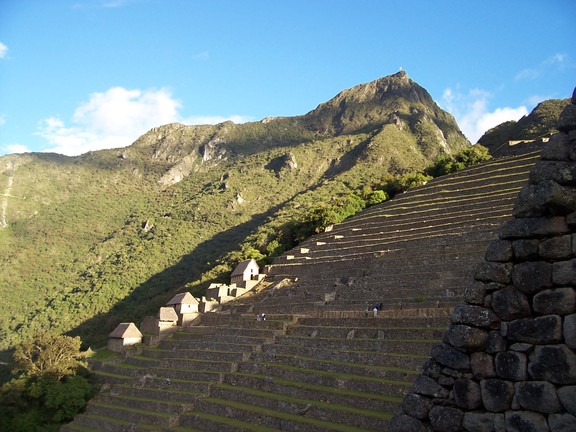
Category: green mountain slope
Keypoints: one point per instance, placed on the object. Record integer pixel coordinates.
(90, 241)
(540, 123)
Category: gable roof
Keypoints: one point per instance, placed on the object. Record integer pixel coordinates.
(125, 330)
(243, 265)
(184, 298)
(167, 314)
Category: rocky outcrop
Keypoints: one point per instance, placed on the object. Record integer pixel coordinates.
(508, 359)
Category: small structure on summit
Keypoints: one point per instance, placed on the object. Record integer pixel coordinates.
(124, 335)
(186, 307)
(246, 274)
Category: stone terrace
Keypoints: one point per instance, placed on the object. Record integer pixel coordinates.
(319, 362)
(233, 373)
(417, 250)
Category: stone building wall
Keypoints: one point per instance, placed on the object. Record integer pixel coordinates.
(508, 359)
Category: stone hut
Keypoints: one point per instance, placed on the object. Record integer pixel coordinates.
(124, 335)
(167, 318)
(246, 274)
(186, 307)
(507, 361)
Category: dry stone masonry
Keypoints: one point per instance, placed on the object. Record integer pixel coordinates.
(508, 359)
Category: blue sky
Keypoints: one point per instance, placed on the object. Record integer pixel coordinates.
(80, 75)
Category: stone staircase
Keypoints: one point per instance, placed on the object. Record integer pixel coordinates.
(233, 373)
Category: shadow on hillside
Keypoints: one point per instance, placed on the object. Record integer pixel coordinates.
(147, 298)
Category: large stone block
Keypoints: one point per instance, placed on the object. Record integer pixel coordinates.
(533, 227)
(559, 301)
(526, 249)
(467, 394)
(511, 365)
(446, 419)
(562, 423)
(494, 272)
(482, 365)
(525, 421)
(476, 316)
(531, 277)
(558, 199)
(426, 386)
(497, 394)
(554, 363)
(466, 337)
(450, 357)
(569, 329)
(509, 304)
(499, 251)
(475, 292)
(417, 405)
(557, 148)
(562, 172)
(483, 422)
(526, 205)
(538, 396)
(564, 273)
(403, 422)
(541, 330)
(567, 395)
(567, 119)
(556, 248)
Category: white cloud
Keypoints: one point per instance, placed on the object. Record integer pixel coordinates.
(3, 50)
(115, 118)
(111, 119)
(472, 112)
(16, 148)
(555, 61)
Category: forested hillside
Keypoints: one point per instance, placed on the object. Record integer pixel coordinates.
(89, 241)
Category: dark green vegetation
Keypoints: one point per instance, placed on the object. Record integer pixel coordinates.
(51, 385)
(109, 236)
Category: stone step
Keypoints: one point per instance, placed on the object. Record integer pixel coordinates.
(254, 373)
(200, 421)
(197, 354)
(219, 345)
(334, 365)
(369, 417)
(272, 320)
(220, 331)
(380, 323)
(362, 333)
(264, 417)
(212, 365)
(156, 383)
(132, 415)
(327, 394)
(139, 403)
(99, 423)
(167, 393)
(185, 374)
(399, 346)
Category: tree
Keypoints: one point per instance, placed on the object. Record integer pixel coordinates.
(50, 354)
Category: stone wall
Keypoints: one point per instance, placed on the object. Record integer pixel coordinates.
(508, 359)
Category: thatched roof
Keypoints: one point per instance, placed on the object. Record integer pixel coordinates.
(182, 298)
(167, 314)
(125, 330)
